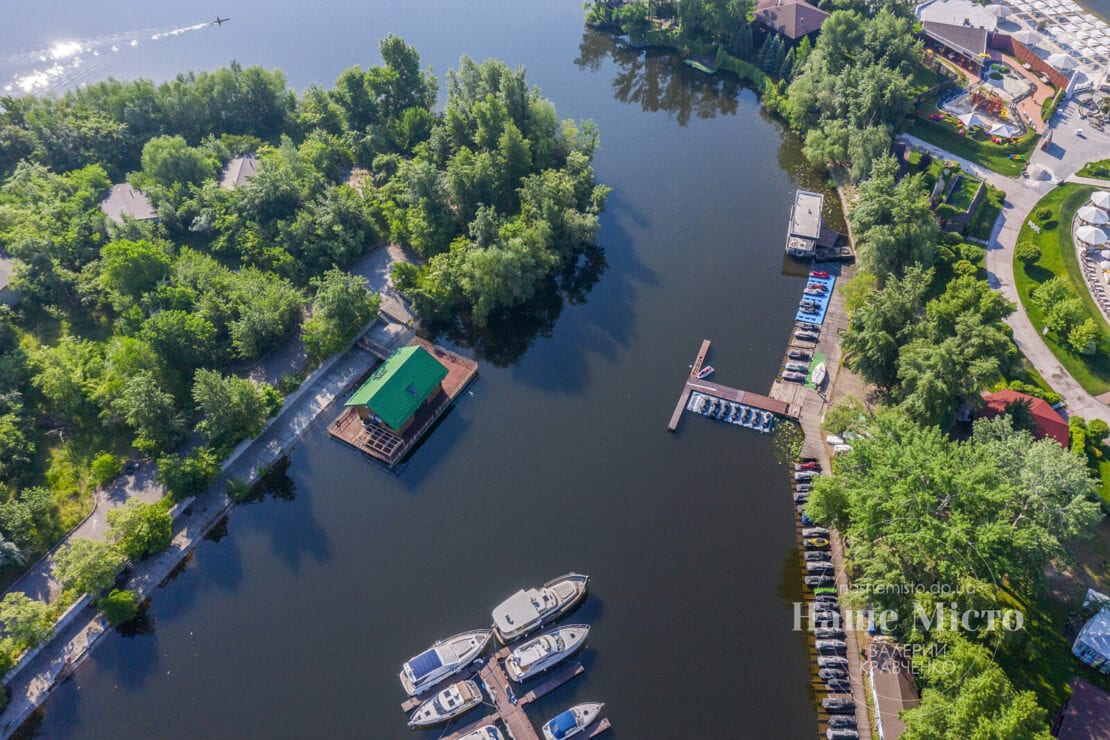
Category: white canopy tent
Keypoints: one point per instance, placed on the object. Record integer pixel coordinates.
(1004, 130)
(998, 11)
(1101, 199)
(1092, 215)
(1092, 236)
(1062, 62)
(972, 119)
(1029, 37)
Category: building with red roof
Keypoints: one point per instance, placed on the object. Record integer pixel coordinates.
(1048, 422)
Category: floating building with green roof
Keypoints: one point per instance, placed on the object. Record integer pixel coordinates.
(399, 387)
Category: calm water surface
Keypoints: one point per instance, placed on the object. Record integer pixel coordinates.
(295, 622)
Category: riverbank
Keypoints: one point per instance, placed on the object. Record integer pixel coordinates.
(83, 626)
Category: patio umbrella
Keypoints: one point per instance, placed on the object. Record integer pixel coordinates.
(972, 119)
(1092, 215)
(1062, 62)
(1091, 235)
(1101, 199)
(998, 11)
(1028, 37)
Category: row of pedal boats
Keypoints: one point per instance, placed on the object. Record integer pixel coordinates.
(734, 413)
(523, 612)
(827, 625)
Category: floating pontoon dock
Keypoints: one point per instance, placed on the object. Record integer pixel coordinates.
(722, 392)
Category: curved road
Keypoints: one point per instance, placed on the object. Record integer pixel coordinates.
(1064, 157)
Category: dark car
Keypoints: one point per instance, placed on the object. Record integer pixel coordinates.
(828, 633)
(799, 354)
(814, 581)
(827, 674)
(842, 720)
(839, 685)
(839, 705)
(841, 733)
(816, 556)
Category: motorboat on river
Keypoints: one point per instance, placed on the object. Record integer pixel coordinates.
(539, 654)
(446, 658)
(455, 700)
(528, 609)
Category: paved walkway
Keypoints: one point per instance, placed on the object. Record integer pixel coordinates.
(1064, 157)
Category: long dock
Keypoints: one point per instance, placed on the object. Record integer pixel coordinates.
(723, 392)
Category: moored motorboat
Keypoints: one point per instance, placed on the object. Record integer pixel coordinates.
(798, 367)
(539, 654)
(573, 721)
(455, 700)
(445, 658)
(705, 372)
(526, 610)
(838, 704)
(793, 377)
(485, 732)
(819, 373)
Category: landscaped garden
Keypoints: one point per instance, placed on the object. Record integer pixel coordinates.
(1099, 169)
(1049, 255)
(974, 144)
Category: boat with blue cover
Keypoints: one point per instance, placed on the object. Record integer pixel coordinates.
(573, 721)
(446, 658)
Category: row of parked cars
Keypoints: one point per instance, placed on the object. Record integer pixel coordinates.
(824, 608)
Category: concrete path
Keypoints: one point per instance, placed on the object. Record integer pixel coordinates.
(1064, 157)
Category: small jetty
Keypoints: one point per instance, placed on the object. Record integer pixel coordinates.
(507, 707)
(722, 393)
(404, 396)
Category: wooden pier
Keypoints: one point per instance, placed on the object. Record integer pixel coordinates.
(508, 708)
(723, 392)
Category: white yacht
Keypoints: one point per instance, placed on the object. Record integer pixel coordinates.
(485, 732)
(526, 610)
(819, 374)
(545, 651)
(445, 658)
(456, 699)
(572, 721)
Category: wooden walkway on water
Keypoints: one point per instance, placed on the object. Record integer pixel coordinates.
(723, 392)
(508, 708)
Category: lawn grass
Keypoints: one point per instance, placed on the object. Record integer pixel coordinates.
(1058, 258)
(994, 157)
(965, 191)
(985, 216)
(1099, 169)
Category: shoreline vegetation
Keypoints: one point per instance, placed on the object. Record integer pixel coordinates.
(132, 337)
(926, 334)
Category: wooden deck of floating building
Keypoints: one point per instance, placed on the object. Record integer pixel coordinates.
(385, 445)
(507, 707)
(723, 392)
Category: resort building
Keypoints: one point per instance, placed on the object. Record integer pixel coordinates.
(790, 18)
(124, 200)
(1092, 644)
(239, 171)
(1049, 424)
(957, 13)
(958, 29)
(805, 224)
(398, 388)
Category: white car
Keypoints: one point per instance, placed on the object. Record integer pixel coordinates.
(834, 439)
(841, 449)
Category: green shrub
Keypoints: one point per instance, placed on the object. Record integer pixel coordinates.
(963, 267)
(1028, 253)
(105, 468)
(119, 606)
(1098, 430)
(1043, 214)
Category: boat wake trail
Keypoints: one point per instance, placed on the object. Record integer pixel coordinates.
(66, 63)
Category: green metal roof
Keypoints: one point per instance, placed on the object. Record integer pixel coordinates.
(400, 385)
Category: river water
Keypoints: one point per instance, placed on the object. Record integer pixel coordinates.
(295, 622)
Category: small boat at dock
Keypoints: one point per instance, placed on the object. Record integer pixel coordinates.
(573, 721)
(485, 732)
(705, 372)
(536, 656)
(445, 658)
(819, 374)
(455, 700)
(839, 704)
(526, 610)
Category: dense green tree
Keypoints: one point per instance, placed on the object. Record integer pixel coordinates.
(151, 413)
(140, 529)
(341, 308)
(893, 223)
(27, 622)
(131, 268)
(119, 606)
(29, 518)
(233, 407)
(185, 341)
(190, 475)
(169, 161)
(882, 324)
(87, 566)
(67, 376)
